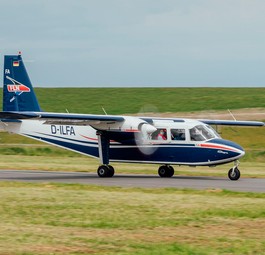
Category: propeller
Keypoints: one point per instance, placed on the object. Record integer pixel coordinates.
(143, 139)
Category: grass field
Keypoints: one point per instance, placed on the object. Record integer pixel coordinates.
(134, 100)
(75, 219)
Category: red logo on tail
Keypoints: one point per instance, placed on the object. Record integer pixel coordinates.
(17, 88)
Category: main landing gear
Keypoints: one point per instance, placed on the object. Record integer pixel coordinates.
(105, 171)
(166, 171)
(234, 173)
(108, 171)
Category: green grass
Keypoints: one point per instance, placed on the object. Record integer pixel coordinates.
(79, 219)
(133, 100)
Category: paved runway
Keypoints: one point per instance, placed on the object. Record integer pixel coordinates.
(144, 181)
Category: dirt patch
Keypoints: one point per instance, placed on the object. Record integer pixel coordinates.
(257, 114)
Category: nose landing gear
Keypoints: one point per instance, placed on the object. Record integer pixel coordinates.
(234, 173)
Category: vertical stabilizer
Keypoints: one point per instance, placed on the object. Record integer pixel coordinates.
(18, 94)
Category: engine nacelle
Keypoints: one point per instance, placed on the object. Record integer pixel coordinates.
(130, 124)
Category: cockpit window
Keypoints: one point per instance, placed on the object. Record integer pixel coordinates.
(214, 131)
(202, 133)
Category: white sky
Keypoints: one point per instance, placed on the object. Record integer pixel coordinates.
(137, 42)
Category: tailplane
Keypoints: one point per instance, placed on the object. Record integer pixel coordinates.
(18, 94)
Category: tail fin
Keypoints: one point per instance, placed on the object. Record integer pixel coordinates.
(18, 94)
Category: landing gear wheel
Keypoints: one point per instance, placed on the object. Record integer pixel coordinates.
(170, 171)
(162, 171)
(111, 171)
(234, 174)
(105, 171)
(166, 171)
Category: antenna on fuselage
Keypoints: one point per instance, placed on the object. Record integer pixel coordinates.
(104, 110)
(234, 120)
(232, 115)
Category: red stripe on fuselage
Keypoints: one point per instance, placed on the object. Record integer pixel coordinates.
(213, 146)
(89, 138)
(131, 130)
(94, 139)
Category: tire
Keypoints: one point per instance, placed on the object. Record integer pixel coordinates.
(162, 171)
(165, 171)
(105, 171)
(170, 171)
(111, 171)
(234, 176)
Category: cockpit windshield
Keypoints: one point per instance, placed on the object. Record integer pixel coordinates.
(214, 131)
(202, 133)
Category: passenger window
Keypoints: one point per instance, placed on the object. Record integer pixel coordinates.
(178, 134)
(160, 134)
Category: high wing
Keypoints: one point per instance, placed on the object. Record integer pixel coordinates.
(211, 122)
(98, 120)
(62, 118)
(106, 123)
(234, 123)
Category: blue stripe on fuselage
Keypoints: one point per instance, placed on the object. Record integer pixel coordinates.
(169, 153)
(84, 149)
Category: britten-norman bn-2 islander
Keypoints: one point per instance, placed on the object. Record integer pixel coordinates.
(163, 141)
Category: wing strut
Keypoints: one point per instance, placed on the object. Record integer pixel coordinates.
(103, 147)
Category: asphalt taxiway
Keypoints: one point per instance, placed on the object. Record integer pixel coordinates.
(142, 181)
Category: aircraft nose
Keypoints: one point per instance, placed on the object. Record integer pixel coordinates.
(237, 148)
(242, 152)
(229, 148)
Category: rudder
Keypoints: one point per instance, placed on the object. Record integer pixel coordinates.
(18, 93)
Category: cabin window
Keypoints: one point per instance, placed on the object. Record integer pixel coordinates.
(160, 134)
(178, 134)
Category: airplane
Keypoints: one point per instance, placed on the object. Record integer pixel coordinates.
(111, 138)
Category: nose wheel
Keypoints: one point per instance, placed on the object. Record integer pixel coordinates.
(234, 173)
